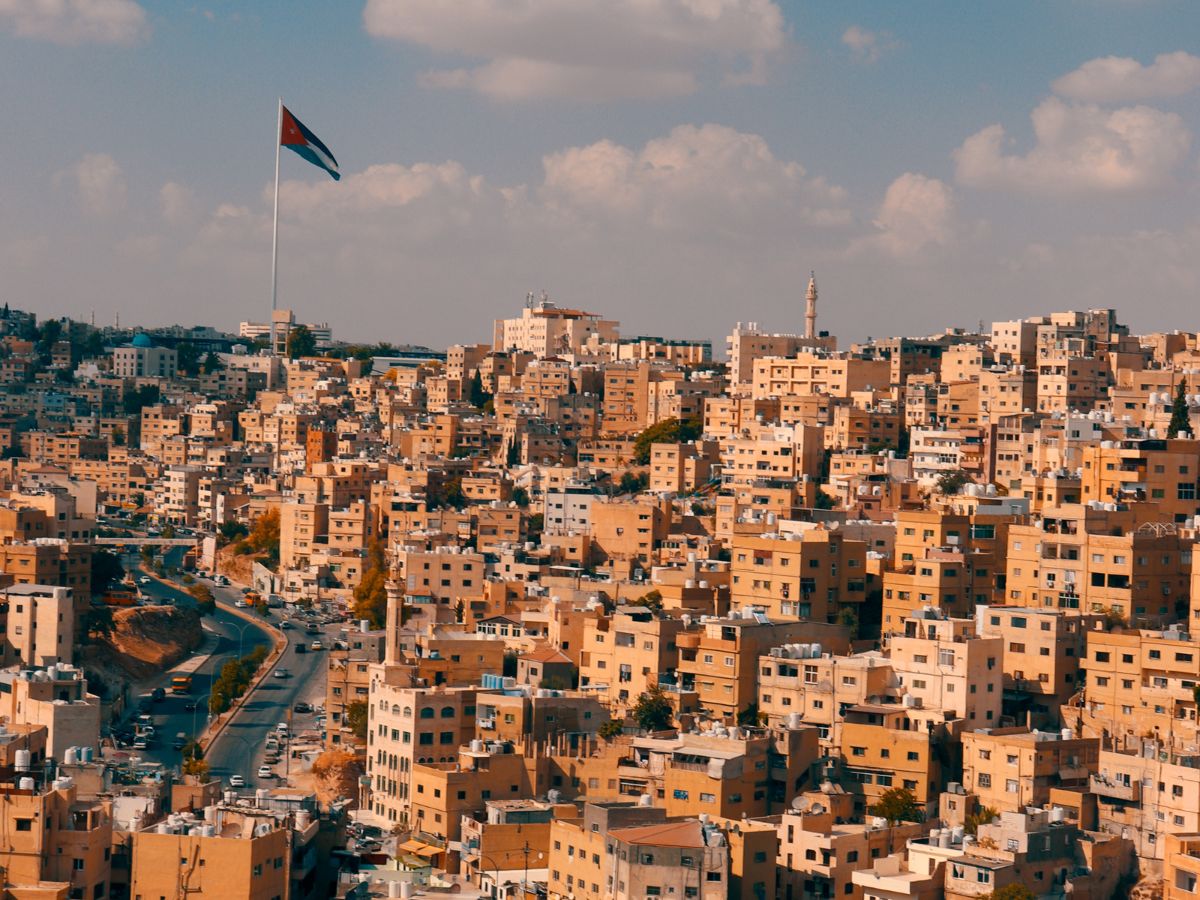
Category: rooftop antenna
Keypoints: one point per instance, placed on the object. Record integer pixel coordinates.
(529, 300)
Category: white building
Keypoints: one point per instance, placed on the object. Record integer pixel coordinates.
(140, 359)
(39, 626)
(546, 330)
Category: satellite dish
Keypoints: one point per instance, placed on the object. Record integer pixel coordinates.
(797, 803)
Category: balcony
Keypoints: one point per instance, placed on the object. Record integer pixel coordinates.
(1115, 790)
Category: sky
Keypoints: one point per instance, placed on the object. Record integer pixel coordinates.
(679, 165)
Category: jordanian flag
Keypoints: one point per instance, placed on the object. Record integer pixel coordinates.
(295, 136)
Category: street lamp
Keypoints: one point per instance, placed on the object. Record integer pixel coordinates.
(495, 874)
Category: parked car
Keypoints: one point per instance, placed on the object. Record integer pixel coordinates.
(265, 772)
(302, 707)
(285, 624)
(317, 645)
(301, 648)
(237, 781)
(158, 694)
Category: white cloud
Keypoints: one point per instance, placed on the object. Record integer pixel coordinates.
(866, 46)
(917, 214)
(586, 49)
(177, 202)
(98, 182)
(1119, 79)
(1079, 148)
(76, 21)
(708, 178)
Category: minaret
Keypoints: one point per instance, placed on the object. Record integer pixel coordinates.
(810, 313)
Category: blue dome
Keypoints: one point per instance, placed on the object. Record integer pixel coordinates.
(141, 340)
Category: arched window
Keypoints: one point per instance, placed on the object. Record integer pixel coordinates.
(447, 712)
(426, 712)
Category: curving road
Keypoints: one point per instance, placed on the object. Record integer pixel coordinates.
(238, 749)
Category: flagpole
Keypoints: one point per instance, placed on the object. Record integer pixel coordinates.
(275, 224)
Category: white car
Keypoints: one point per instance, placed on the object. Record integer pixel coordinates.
(237, 781)
(240, 604)
(145, 579)
(282, 673)
(265, 772)
(281, 728)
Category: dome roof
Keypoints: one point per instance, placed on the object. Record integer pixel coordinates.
(141, 340)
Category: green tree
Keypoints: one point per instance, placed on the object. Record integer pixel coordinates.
(118, 436)
(231, 531)
(1180, 424)
(513, 456)
(135, 399)
(610, 729)
(1014, 891)
(951, 482)
(98, 621)
(106, 570)
(520, 496)
(188, 358)
(301, 342)
(206, 604)
(460, 611)
(653, 712)
(356, 718)
(477, 395)
(898, 805)
(633, 484)
(668, 431)
(749, 717)
(370, 596)
(981, 816)
(652, 600)
(212, 363)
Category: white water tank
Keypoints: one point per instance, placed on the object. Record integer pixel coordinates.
(1067, 734)
(22, 760)
(645, 800)
(86, 754)
(394, 888)
(260, 797)
(26, 784)
(70, 756)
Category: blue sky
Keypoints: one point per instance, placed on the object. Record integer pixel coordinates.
(677, 164)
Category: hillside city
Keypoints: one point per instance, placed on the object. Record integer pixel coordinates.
(576, 613)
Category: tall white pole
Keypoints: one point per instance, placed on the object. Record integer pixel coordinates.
(275, 224)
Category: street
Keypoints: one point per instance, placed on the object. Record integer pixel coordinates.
(239, 748)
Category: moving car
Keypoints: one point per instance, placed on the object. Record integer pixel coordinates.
(240, 604)
(158, 694)
(265, 772)
(145, 579)
(317, 645)
(237, 781)
(180, 741)
(282, 673)
(285, 624)
(282, 728)
(302, 707)
(301, 648)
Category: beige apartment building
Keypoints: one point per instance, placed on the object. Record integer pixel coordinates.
(39, 625)
(239, 854)
(407, 726)
(1097, 560)
(1044, 650)
(56, 844)
(812, 574)
(813, 373)
(720, 660)
(626, 653)
(1010, 769)
(1164, 473)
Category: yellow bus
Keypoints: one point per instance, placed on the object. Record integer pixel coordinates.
(181, 684)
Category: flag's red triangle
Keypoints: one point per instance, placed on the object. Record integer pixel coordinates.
(289, 131)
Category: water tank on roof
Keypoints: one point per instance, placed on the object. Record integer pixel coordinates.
(70, 756)
(22, 760)
(86, 754)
